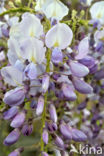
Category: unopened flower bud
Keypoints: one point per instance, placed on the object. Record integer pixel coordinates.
(57, 56)
(40, 105)
(14, 97)
(66, 131)
(27, 130)
(53, 114)
(18, 120)
(45, 136)
(68, 92)
(78, 135)
(14, 153)
(82, 86)
(59, 142)
(10, 113)
(12, 137)
(45, 83)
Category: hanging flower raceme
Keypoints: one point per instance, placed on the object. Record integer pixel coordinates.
(47, 68)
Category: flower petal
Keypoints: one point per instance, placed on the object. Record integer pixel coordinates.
(59, 35)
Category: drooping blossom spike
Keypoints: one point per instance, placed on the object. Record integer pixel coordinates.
(12, 137)
(31, 71)
(59, 142)
(83, 48)
(44, 154)
(45, 83)
(81, 86)
(53, 114)
(30, 26)
(97, 11)
(65, 131)
(45, 136)
(14, 153)
(78, 135)
(18, 120)
(57, 55)
(52, 8)
(40, 105)
(78, 69)
(68, 92)
(59, 36)
(27, 129)
(14, 97)
(10, 113)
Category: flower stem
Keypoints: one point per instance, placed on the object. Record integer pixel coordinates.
(15, 10)
(45, 99)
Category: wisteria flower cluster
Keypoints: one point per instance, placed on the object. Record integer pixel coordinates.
(51, 71)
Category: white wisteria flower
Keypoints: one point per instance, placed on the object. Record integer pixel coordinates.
(59, 36)
(52, 8)
(97, 11)
(30, 26)
(30, 49)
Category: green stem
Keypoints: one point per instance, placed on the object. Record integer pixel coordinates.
(15, 10)
(45, 99)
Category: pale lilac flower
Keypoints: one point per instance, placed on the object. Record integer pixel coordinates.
(83, 48)
(81, 86)
(59, 36)
(30, 26)
(12, 76)
(68, 92)
(52, 8)
(30, 49)
(97, 11)
(78, 69)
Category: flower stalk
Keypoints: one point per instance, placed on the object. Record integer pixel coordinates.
(48, 57)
